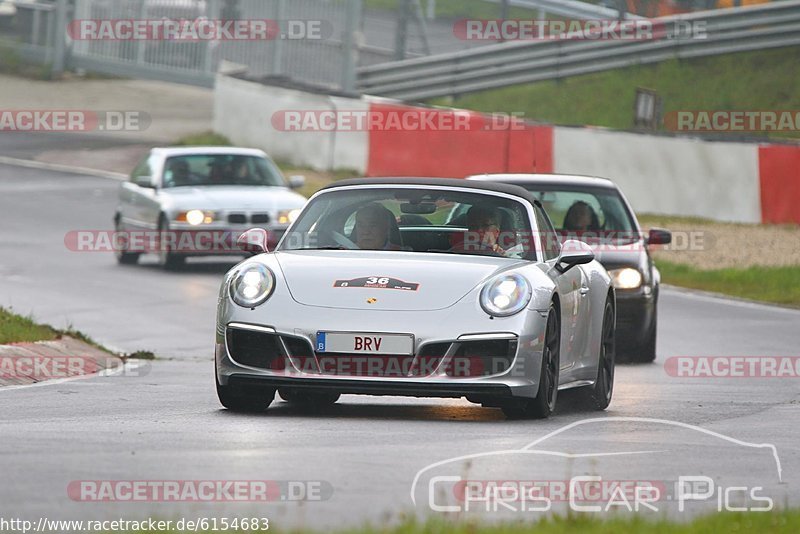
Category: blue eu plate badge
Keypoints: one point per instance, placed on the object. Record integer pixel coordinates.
(320, 341)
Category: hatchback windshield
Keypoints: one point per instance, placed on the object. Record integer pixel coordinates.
(210, 170)
(587, 213)
(414, 220)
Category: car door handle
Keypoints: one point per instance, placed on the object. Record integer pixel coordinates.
(584, 291)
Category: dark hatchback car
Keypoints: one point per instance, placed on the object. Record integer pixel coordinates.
(594, 210)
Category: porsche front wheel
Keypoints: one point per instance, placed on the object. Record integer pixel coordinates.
(545, 402)
(598, 396)
(244, 399)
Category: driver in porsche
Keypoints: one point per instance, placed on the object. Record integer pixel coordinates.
(374, 224)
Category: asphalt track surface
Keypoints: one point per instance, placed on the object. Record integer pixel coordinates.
(163, 422)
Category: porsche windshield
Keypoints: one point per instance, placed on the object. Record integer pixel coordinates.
(211, 170)
(414, 220)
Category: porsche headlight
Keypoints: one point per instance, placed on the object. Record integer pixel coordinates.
(288, 216)
(626, 278)
(252, 286)
(505, 295)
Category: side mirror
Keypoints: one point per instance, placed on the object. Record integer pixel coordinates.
(297, 181)
(253, 241)
(573, 252)
(659, 236)
(144, 181)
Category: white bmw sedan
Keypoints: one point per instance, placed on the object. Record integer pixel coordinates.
(196, 201)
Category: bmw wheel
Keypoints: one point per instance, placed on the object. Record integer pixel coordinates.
(121, 252)
(166, 258)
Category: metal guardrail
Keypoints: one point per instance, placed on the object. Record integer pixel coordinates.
(729, 30)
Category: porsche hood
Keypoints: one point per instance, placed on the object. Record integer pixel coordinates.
(384, 281)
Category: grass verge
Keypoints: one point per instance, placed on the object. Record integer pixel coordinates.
(203, 139)
(18, 329)
(11, 63)
(743, 81)
(778, 285)
(775, 522)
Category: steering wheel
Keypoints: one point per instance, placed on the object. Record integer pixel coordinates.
(342, 240)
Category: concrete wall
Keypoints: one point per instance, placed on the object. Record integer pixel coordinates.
(740, 182)
(245, 111)
(675, 176)
(474, 145)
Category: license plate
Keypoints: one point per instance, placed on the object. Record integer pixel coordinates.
(365, 343)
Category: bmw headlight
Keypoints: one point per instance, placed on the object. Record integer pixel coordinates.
(252, 286)
(196, 217)
(288, 216)
(626, 278)
(505, 295)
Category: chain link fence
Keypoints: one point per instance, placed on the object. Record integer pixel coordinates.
(309, 41)
(352, 34)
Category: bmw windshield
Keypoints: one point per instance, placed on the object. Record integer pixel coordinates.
(223, 169)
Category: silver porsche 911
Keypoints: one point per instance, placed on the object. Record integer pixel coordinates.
(423, 287)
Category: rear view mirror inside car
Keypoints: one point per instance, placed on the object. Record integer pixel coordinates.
(421, 208)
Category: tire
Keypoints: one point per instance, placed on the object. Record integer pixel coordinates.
(598, 396)
(245, 400)
(646, 352)
(123, 256)
(166, 259)
(309, 400)
(545, 402)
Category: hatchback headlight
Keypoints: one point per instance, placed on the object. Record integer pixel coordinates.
(252, 286)
(626, 278)
(505, 295)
